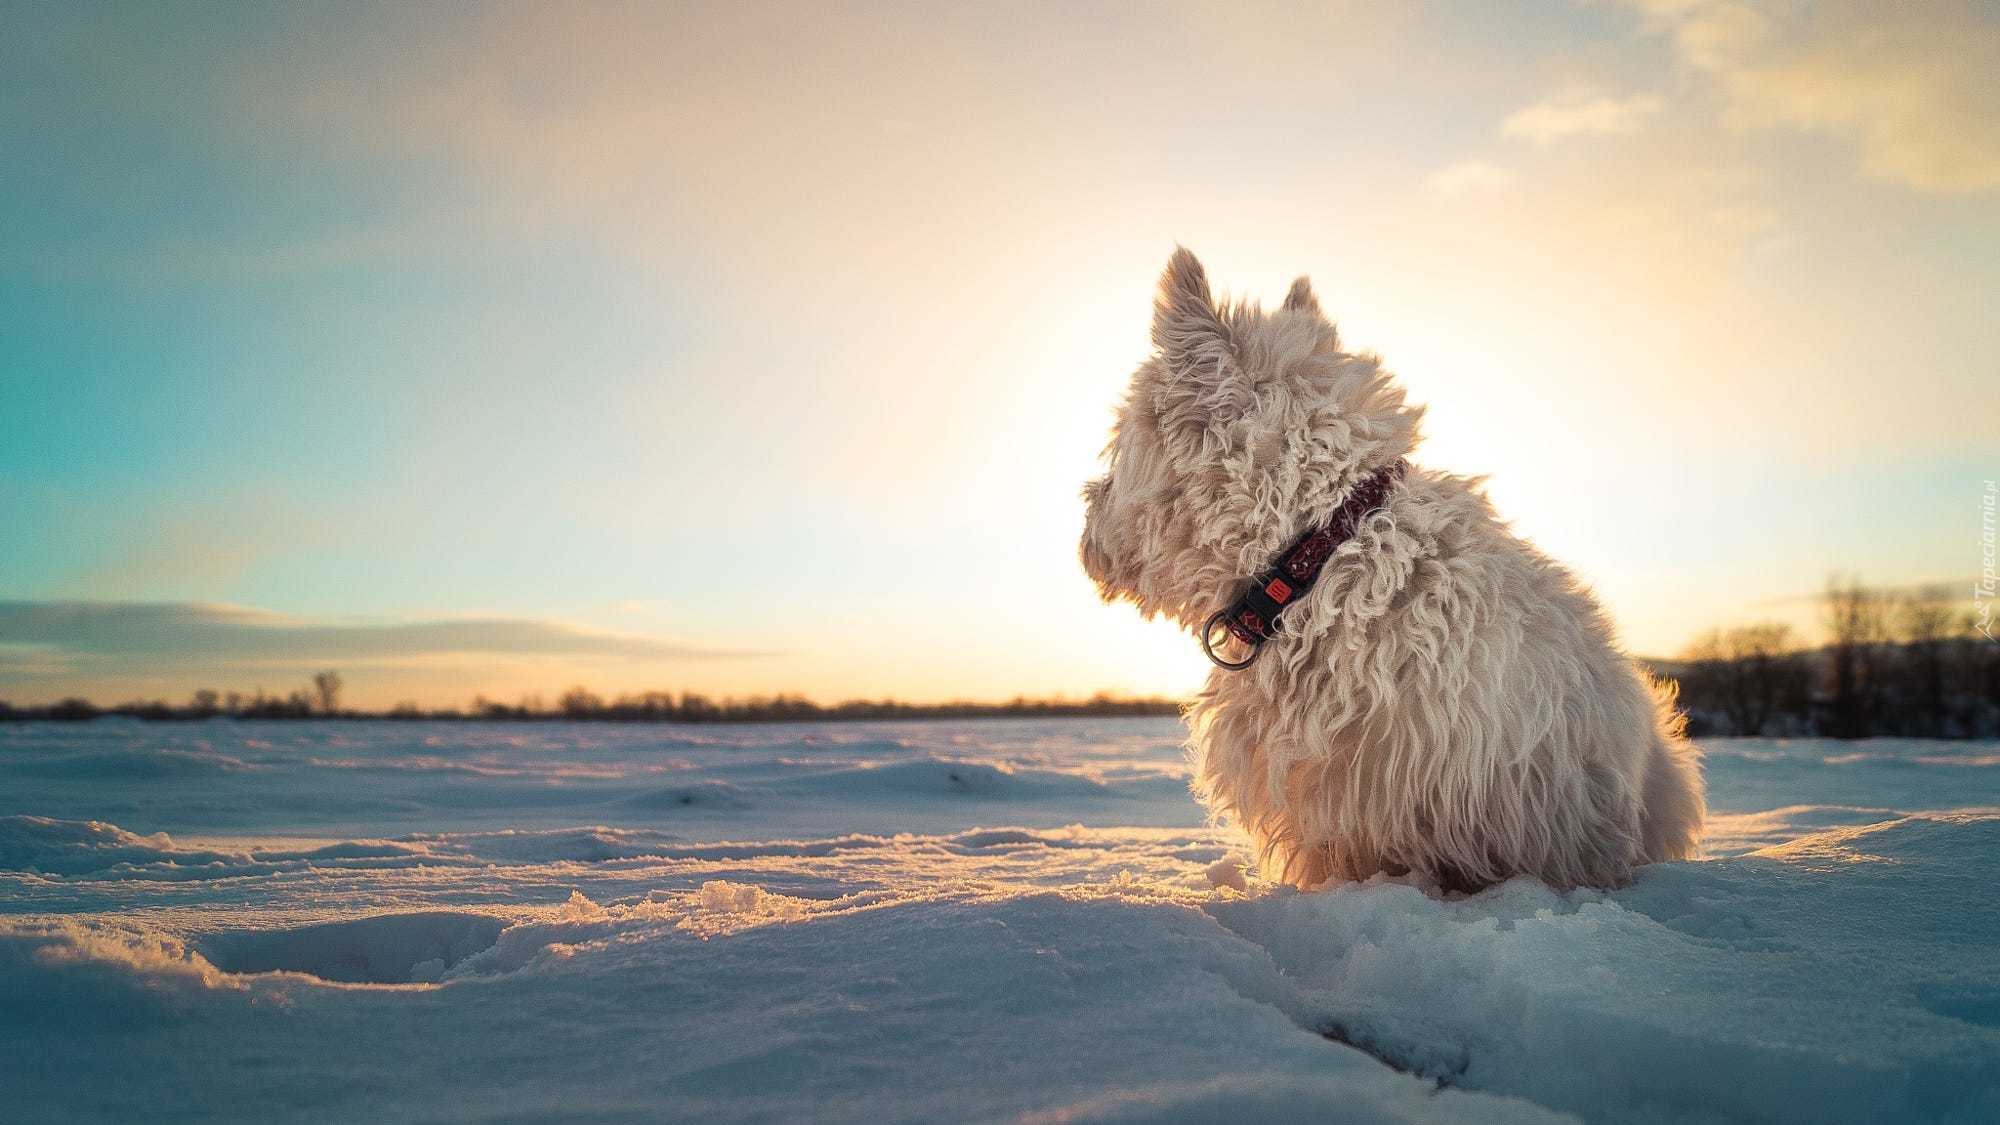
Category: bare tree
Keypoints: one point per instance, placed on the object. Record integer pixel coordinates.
(1854, 627)
(1926, 623)
(205, 703)
(580, 703)
(1749, 670)
(327, 686)
(1767, 666)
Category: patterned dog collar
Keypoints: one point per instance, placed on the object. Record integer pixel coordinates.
(1253, 617)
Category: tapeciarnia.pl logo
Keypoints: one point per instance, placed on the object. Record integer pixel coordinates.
(1983, 591)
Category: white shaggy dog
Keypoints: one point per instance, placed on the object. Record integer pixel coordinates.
(1445, 701)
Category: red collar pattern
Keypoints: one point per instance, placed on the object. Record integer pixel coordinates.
(1253, 617)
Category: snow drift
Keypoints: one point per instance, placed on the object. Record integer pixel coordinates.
(1058, 938)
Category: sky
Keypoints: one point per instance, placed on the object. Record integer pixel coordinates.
(749, 348)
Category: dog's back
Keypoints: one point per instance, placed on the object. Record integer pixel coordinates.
(1449, 703)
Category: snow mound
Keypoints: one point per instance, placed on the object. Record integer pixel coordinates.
(1017, 838)
(570, 845)
(385, 949)
(704, 795)
(47, 846)
(133, 765)
(938, 776)
(1762, 988)
(747, 900)
(63, 977)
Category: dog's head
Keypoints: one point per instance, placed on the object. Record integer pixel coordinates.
(1242, 429)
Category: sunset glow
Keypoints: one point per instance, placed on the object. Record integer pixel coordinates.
(744, 350)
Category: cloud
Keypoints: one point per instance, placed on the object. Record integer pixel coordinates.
(1712, 36)
(1578, 113)
(1469, 177)
(1915, 93)
(53, 634)
(1923, 115)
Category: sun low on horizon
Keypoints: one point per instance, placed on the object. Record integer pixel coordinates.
(748, 349)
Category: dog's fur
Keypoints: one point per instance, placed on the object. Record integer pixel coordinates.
(1446, 702)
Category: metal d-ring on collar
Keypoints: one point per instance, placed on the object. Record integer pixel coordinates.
(1208, 644)
(1253, 617)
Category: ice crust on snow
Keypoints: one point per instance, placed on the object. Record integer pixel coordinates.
(979, 920)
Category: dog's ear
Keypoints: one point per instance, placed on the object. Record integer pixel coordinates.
(1186, 328)
(1301, 299)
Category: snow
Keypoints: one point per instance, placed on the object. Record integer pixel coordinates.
(972, 920)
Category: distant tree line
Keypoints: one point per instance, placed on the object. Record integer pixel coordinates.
(1895, 662)
(321, 700)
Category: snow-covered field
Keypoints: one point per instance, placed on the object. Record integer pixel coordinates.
(926, 921)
